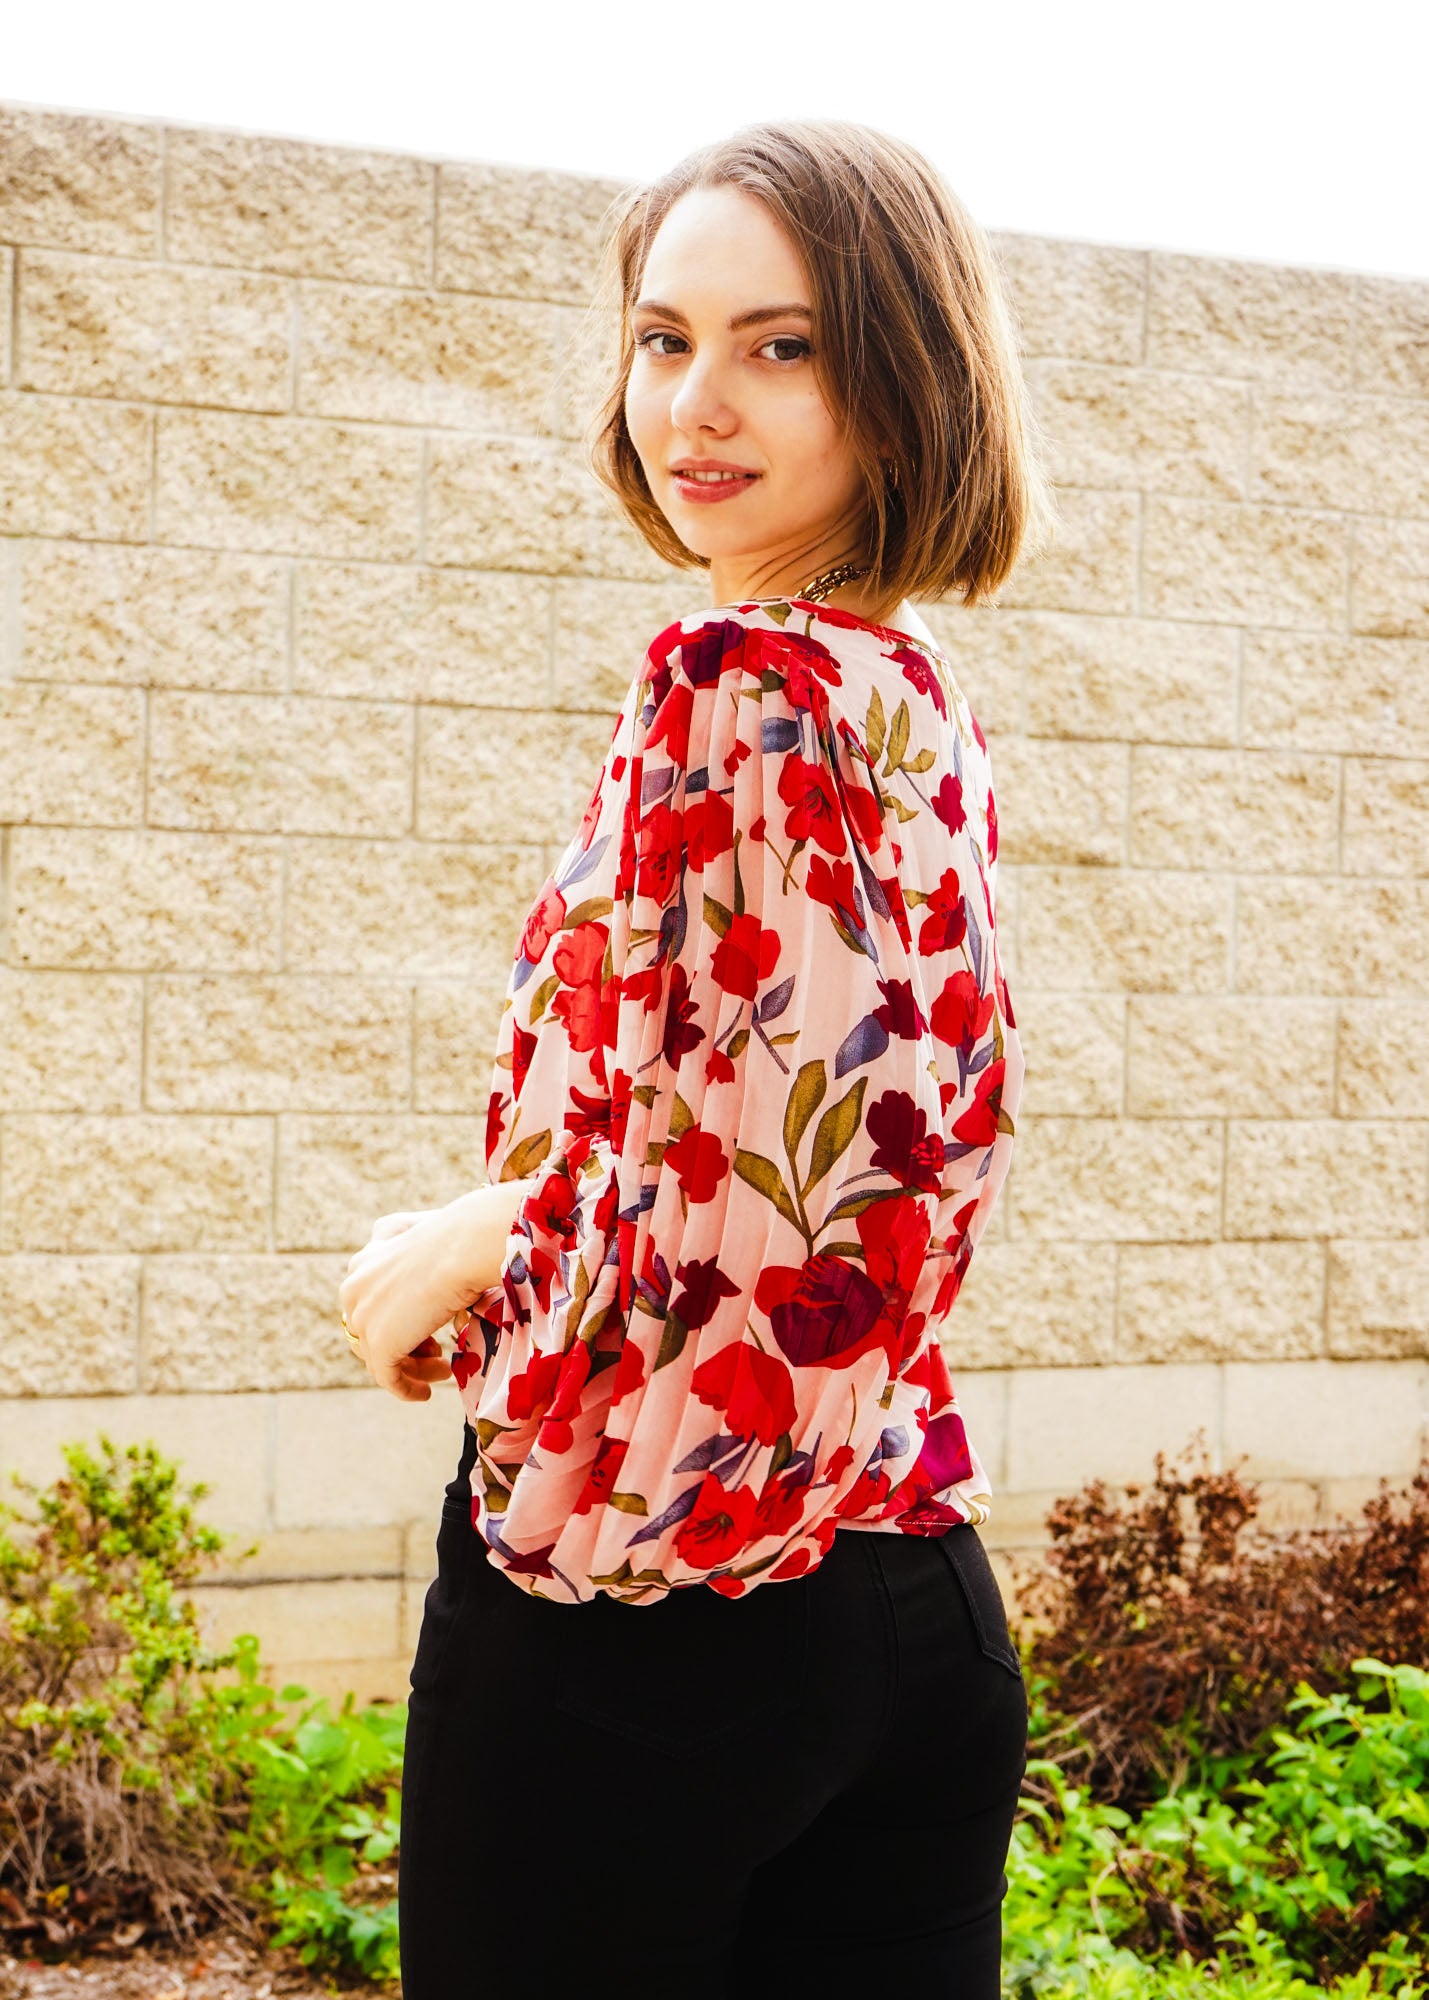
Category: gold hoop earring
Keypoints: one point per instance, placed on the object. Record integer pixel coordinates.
(890, 470)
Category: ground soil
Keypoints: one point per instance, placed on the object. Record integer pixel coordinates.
(223, 1967)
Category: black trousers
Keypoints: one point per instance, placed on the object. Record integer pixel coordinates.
(810, 1788)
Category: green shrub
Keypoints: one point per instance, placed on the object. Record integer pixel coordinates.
(324, 1796)
(150, 1786)
(1313, 1879)
(114, 1808)
(1329, 1848)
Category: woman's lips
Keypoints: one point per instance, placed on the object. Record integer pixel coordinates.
(701, 490)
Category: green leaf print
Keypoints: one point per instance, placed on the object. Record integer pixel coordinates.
(526, 1156)
(762, 1174)
(588, 912)
(874, 727)
(897, 739)
(804, 1100)
(541, 998)
(672, 1341)
(835, 1134)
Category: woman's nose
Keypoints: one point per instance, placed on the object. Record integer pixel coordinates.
(700, 401)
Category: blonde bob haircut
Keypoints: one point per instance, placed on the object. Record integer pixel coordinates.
(913, 342)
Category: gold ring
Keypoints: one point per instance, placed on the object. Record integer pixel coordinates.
(352, 1340)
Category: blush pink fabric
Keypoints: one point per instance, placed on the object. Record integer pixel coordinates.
(759, 1064)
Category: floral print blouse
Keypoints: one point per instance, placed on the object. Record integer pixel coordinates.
(759, 1064)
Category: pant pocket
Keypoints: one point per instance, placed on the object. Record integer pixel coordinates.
(968, 1560)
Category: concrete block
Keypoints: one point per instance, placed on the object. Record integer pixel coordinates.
(1099, 930)
(429, 909)
(70, 1325)
(1091, 562)
(150, 617)
(526, 504)
(70, 1041)
(1386, 824)
(89, 183)
(279, 1044)
(1028, 1303)
(1245, 810)
(1244, 565)
(71, 755)
(222, 1441)
(292, 484)
(1382, 1060)
(292, 206)
(75, 1183)
(1083, 300)
(359, 1457)
(1324, 1418)
(389, 631)
(1362, 454)
(133, 899)
(1259, 322)
(1308, 692)
(1219, 1301)
(1214, 1057)
(359, 1618)
(519, 233)
(1070, 1425)
(1061, 802)
(257, 1322)
(1297, 935)
(1325, 1177)
(337, 1175)
(1389, 578)
(1152, 430)
(1392, 336)
(76, 467)
(1117, 1179)
(279, 764)
(1379, 1298)
(420, 357)
(154, 333)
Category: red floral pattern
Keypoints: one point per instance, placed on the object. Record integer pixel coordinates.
(759, 1062)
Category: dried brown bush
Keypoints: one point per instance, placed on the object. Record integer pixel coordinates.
(1169, 1627)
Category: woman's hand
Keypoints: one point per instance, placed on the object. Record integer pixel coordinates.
(403, 1284)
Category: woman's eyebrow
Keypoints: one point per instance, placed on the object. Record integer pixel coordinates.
(756, 315)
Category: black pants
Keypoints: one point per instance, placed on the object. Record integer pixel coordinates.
(810, 1788)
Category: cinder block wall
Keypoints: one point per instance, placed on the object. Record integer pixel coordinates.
(313, 631)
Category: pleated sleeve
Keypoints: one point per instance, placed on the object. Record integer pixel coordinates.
(760, 1098)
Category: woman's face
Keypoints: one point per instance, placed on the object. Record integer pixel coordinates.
(744, 396)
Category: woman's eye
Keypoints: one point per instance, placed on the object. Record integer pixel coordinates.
(646, 338)
(789, 340)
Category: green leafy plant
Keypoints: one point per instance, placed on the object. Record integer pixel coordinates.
(1325, 1840)
(153, 1787)
(1311, 1879)
(324, 1795)
(114, 1809)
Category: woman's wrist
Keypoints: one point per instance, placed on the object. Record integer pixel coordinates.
(482, 1220)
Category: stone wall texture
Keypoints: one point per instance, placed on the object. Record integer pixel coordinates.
(312, 630)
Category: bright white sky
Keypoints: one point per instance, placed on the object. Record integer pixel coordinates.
(1284, 130)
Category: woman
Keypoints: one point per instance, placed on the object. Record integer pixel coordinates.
(753, 1102)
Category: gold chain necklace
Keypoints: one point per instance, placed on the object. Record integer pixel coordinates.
(830, 579)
